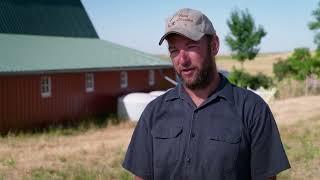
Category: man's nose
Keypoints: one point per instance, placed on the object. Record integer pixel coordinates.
(184, 58)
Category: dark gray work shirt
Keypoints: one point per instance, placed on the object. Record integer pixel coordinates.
(232, 135)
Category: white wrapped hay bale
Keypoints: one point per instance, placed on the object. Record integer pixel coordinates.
(266, 94)
(131, 106)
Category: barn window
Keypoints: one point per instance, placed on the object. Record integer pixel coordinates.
(89, 82)
(151, 78)
(45, 86)
(123, 79)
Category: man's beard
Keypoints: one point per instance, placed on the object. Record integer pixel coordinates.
(203, 76)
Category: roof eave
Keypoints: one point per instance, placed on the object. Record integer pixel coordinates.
(59, 71)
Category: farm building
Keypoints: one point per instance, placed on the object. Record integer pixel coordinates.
(54, 68)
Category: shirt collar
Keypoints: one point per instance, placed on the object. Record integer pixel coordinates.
(173, 93)
(224, 90)
(177, 93)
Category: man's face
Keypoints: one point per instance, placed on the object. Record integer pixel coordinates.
(192, 60)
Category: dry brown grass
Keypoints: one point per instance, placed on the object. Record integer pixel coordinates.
(262, 63)
(19, 156)
(302, 144)
(290, 111)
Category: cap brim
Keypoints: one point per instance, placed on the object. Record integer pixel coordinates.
(183, 32)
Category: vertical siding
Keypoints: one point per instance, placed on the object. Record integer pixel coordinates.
(21, 104)
(11, 108)
(3, 102)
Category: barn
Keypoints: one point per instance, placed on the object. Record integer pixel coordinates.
(54, 68)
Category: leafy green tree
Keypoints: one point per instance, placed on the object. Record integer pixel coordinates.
(315, 26)
(244, 37)
(282, 69)
(299, 65)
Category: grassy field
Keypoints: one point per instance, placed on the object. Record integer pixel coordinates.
(66, 153)
(96, 152)
(302, 144)
(262, 63)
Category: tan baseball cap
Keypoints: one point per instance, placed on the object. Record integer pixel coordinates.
(190, 23)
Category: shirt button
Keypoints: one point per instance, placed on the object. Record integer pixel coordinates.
(193, 134)
(188, 160)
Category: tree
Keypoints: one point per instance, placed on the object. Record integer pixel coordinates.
(300, 65)
(244, 37)
(315, 26)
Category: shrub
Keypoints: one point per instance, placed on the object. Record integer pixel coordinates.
(301, 54)
(243, 79)
(282, 69)
(298, 66)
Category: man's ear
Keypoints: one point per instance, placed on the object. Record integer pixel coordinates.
(215, 44)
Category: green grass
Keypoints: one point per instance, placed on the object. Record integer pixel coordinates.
(75, 170)
(43, 173)
(79, 171)
(302, 144)
(9, 162)
(67, 129)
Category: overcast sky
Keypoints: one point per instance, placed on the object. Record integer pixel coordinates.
(140, 24)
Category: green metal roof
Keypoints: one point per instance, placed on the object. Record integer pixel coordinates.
(45, 17)
(29, 53)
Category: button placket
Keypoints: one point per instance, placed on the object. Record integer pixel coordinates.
(191, 136)
(194, 117)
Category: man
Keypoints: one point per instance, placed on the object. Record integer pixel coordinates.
(204, 128)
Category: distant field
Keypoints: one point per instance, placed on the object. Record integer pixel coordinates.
(262, 63)
(97, 153)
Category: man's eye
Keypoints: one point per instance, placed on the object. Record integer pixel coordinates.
(192, 46)
(173, 52)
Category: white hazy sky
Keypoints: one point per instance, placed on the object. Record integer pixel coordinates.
(140, 24)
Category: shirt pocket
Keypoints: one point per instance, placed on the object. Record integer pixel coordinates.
(166, 145)
(222, 152)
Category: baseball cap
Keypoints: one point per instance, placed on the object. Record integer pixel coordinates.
(190, 23)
